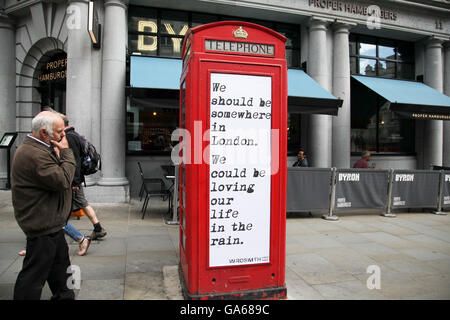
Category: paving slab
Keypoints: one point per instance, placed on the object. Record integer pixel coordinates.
(172, 285)
(373, 250)
(299, 289)
(388, 240)
(144, 286)
(100, 268)
(348, 260)
(348, 290)
(110, 289)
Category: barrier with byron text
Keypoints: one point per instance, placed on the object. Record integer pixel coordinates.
(361, 189)
(318, 189)
(445, 199)
(415, 189)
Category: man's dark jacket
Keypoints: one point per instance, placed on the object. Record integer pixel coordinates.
(41, 187)
(301, 163)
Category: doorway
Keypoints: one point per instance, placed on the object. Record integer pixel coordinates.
(51, 75)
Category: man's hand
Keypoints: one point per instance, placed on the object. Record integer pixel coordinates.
(62, 144)
(56, 151)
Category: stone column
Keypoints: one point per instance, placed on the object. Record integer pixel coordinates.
(7, 88)
(78, 82)
(446, 124)
(319, 144)
(433, 133)
(113, 111)
(341, 90)
(96, 93)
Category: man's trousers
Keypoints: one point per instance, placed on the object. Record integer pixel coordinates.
(47, 259)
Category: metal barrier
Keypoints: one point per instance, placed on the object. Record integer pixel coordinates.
(445, 200)
(360, 189)
(318, 189)
(414, 189)
(308, 189)
(444, 189)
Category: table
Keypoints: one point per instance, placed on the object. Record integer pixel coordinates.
(171, 174)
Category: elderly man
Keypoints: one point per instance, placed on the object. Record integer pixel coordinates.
(363, 163)
(41, 180)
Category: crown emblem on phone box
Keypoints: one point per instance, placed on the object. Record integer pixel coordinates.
(240, 33)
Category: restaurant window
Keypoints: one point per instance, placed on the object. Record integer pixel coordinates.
(151, 121)
(377, 57)
(374, 127)
(160, 32)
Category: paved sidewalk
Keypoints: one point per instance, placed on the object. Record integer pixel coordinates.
(324, 259)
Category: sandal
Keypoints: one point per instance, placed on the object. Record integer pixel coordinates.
(84, 245)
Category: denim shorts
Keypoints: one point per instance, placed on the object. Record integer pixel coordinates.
(72, 232)
(79, 200)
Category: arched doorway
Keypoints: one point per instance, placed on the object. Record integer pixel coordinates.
(29, 98)
(51, 76)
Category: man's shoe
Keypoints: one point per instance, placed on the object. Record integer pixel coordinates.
(98, 234)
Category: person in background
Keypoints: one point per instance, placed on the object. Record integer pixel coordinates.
(79, 200)
(301, 159)
(83, 241)
(363, 163)
(41, 182)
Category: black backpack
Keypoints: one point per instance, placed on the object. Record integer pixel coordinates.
(91, 161)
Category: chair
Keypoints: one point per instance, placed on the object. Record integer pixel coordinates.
(145, 180)
(159, 191)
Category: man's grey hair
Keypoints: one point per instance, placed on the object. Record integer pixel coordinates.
(65, 119)
(48, 108)
(43, 121)
(365, 154)
(62, 115)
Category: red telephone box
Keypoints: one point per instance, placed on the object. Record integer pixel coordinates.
(232, 186)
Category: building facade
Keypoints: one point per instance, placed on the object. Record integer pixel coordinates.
(118, 83)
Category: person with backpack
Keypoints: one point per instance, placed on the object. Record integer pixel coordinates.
(84, 159)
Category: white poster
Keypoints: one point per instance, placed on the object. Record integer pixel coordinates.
(240, 169)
